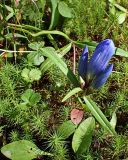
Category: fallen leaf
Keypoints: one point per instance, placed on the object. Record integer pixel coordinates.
(76, 116)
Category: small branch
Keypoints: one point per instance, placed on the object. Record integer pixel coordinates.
(14, 51)
(74, 59)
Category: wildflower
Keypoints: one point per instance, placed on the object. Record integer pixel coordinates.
(96, 71)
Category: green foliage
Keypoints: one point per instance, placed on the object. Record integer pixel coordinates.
(64, 10)
(30, 97)
(58, 147)
(66, 129)
(22, 150)
(50, 53)
(71, 93)
(31, 75)
(97, 113)
(83, 136)
(120, 144)
(33, 111)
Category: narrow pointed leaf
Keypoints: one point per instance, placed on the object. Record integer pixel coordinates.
(71, 93)
(48, 62)
(51, 53)
(121, 52)
(97, 113)
(55, 14)
(113, 120)
(92, 46)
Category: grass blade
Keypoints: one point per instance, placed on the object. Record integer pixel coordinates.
(97, 113)
(51, 53)
(71, 93)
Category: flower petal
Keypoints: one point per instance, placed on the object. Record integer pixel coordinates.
(83, 62)
(101, 56)
(101, 79)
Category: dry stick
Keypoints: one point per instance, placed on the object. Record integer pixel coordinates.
(74, 58)
(10, 51)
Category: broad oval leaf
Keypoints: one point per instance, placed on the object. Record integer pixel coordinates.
(20, 150)
(64, 10)
(83, 136)
(66, 129)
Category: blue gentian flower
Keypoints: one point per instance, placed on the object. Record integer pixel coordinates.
(96, 71)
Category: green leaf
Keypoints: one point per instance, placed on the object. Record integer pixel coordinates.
(71, 93)
(55, 14)
(35, 74)
(121, 17)
(38, 60)
(83, 136)
(12, 35)
(36, 45)
(64, 10)
(35, 58)
(121, 52)
(25, 74)
(66, 129)
(112, 1)
(112, 10)
(48, 62)
(43, 2)
(10, 9)
(92, 46)
(35, 98)
(120, 8)
(30, 97)
(97, 113)
(51, 53)
(113, 120)
(31, 75)
(20, 150)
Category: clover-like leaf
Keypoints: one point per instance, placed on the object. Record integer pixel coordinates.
(30, 97)
(35, 74)
(31, 75)
(25, 74)
(38, 60)
(36, 45)
(35, 58)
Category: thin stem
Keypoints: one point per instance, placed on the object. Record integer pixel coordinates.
(10, 51)
(74, 58)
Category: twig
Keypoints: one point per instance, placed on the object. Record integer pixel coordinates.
(74, 59)
(14, 51)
